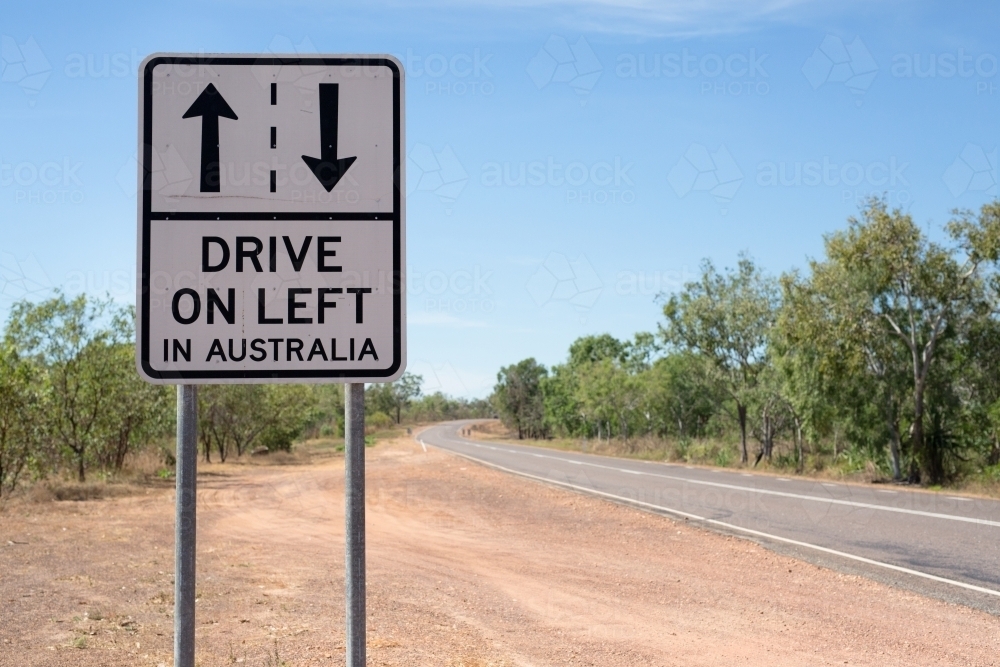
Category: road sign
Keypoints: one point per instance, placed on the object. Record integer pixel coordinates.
(271, 221)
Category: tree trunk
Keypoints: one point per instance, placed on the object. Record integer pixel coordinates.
(995, 454)
(79, 466)
(768, 436)
(121, 451)
(799, 461)
(741, 412)
(894, 450)
(917, 437)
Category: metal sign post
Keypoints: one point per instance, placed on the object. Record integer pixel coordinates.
(271, 247)
(354, 510)
(184, 528)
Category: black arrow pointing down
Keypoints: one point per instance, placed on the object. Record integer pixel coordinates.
(328, 169)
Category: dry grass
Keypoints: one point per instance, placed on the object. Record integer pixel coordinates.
(983, 485)
(152, 467)
(149, 461)
(61, 490)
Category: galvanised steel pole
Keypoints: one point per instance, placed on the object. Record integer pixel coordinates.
(184, 528)
(354, 492)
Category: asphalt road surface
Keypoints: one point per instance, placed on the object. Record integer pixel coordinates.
(933, 543)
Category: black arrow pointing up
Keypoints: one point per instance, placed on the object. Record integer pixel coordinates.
(210, 106)
(327, 168)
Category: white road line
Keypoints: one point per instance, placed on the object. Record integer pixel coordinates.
(783, 494)
(729, 526)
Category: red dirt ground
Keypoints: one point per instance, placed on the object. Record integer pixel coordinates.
(466, 567)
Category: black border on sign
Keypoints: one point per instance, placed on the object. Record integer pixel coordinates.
(148, 215)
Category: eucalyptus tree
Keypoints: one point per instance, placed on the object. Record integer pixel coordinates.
(71, 340)
(837, 362)
(980, 365)
(609, 397)
(138, 411)
(518, 397)
(727, 318)
(680, 395)
(589, 349)
(561, 401)
(910, 291)
(640, 353)
(240, 416)
(978, 235)
(20, 399)
(393, 397)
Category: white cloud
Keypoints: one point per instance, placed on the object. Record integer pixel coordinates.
(655, 17)
(642, 18)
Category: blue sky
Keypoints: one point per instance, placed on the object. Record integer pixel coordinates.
(567, 161)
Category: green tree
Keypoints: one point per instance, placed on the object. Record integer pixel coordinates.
(71, 341)
(589, 349)
(439, 407)
(327, 416)
(801, 363)
(609, 397)
(561, 404)
(214, 417)
(20, 436)
(915, 293)
(727, 319)
(681, 395)
(838, 366)
(640, 353)
(519, 400)
(769, 400)
(288, 407)
(239, 416)
(980, 364)
(394, 397)
(139, 411)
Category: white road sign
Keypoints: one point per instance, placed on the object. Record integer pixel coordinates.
(271, 240)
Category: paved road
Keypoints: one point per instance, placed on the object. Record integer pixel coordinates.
(933, 543)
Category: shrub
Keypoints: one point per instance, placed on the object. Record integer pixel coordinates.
(379, 421)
